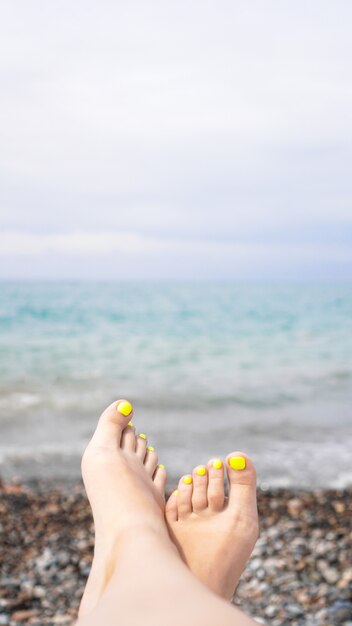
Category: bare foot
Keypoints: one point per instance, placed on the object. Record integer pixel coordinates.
(216, 535)
(125, 487)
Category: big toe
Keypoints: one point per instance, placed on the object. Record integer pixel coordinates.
(242, 483)
(111, 424)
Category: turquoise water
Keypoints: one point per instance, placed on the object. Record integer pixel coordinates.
(208, 367)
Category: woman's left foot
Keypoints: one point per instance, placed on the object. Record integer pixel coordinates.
(125, 487)
(216, 535)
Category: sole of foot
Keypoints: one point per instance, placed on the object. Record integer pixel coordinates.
(214, 534)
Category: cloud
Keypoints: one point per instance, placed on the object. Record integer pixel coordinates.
(76, 244)
(185, 124)
(130, 255)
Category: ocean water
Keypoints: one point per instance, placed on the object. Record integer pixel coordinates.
(209, 368)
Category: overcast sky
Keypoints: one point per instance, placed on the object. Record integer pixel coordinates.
(207, 140)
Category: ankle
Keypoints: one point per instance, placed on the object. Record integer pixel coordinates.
(108, 548)
(144, 537)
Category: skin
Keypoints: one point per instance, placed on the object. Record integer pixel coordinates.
(215, 535)
(137, 572)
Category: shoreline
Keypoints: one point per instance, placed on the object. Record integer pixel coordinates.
(300, 572)
(40, 485)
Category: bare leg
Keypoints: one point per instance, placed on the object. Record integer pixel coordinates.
(151, 585)
(137, 574)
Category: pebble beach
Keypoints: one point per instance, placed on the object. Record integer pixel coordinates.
(300, 572)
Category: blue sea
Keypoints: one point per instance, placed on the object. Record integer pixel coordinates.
(209, 368)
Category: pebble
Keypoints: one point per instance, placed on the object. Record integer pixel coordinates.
(20, 616)
(270, 610)
(330, 574)
(305, 550)
(300, 573)
(341, 611)
(294, 506)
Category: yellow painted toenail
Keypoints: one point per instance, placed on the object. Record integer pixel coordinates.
(142, 436)
(201, 471)
(125, 408)
(130, 424)
(150, 448)
(237, 462)
(176, 492)
(188, 480)
(161, 466)
(217, 463)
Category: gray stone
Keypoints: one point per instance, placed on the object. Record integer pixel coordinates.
(38, 592)
(331, 575)
(255, 564)
(294, 609)
(341, 611)
(271, 610)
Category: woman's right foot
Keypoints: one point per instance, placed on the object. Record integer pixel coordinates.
(216, 535)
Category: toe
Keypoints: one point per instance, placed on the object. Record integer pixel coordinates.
(200, 486)
(159, 479)
(171, 508)
(128, 438)
(111, 424)
(216, 493)
(184, 496)
(141, 446)
(151, 460)
(242, 481)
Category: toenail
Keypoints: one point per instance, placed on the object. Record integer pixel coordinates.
(130, 424)
(124, 407)
(142, 436)
(161, 466)
(217, 463)
(237, 462)
(187, 480)
(150, 448)
(201, 471)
